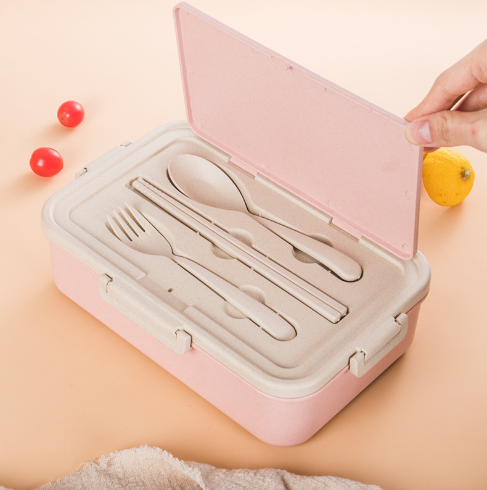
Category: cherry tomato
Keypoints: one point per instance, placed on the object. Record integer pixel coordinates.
(46, 162)
(70, 113)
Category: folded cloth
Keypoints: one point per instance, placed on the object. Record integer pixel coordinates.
(152, 468)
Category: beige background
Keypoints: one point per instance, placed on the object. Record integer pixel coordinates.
(71, 390)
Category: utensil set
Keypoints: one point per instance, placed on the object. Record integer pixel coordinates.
(206, 183)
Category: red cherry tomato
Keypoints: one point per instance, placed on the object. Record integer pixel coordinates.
(46, 162)
(70, 113)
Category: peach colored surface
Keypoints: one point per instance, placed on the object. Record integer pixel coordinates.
(72, 390)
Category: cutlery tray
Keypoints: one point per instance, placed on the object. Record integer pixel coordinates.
(280, 342)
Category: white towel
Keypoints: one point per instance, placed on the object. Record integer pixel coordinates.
(152, 468)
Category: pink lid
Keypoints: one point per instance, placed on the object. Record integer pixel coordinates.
(328, 146)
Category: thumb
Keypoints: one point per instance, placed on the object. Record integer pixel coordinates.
(450, 128)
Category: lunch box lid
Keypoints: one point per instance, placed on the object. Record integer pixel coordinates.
(333, 149)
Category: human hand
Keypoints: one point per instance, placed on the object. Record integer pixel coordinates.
(442, 119)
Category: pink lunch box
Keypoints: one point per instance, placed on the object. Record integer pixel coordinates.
(265, 251)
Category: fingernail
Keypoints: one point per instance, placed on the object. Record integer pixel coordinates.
(419, 133)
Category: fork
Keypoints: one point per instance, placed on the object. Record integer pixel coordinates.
(134, 230)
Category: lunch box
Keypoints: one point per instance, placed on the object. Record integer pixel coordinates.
(265, 251)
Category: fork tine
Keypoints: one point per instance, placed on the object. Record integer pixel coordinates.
(142, 221)
(129, 225)
(117, 231)
(122, 229)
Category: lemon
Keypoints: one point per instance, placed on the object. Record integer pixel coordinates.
(447, 176)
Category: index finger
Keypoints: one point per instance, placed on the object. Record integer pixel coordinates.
(454, 83)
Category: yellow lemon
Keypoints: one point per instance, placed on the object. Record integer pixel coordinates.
(447, 176)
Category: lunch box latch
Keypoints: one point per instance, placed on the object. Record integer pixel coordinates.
(382, 339)
(147, 311)
(183, 342)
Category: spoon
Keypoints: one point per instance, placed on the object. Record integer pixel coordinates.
(206, 183)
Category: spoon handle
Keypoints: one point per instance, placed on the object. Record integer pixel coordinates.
(342, 265)
(259, 313)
